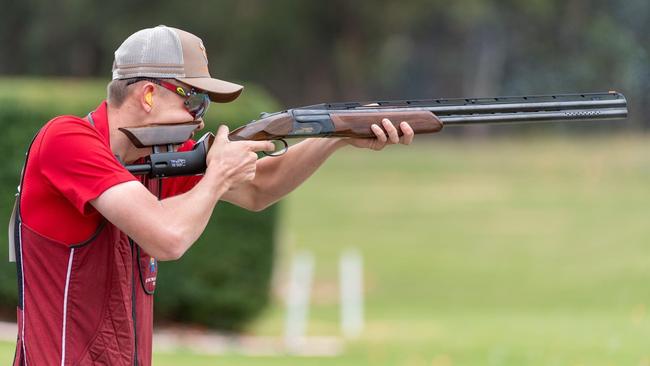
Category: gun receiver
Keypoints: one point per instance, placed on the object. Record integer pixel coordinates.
(355, 119)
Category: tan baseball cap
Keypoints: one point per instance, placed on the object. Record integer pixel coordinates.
(166, 52)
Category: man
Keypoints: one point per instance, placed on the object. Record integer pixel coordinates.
(88, 233)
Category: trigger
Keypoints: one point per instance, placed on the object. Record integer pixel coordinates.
(284, 148)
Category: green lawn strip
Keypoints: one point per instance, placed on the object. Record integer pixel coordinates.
(530, 251)
(536, 225)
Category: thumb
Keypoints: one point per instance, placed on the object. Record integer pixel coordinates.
(222, 134)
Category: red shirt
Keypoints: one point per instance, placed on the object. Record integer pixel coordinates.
(70, 164)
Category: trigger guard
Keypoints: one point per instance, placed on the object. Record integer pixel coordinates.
(280, 152)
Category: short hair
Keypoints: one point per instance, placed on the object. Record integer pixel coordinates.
(117, 91)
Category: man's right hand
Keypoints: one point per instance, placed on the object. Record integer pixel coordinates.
(166, 228)
(236, 160)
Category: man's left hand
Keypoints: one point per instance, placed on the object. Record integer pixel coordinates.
(390, 137)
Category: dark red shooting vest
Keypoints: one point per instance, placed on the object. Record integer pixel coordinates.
(86, 304)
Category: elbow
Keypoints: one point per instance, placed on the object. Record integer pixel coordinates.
(259, 205)
(257, 208)
(173, 245)
(259, 201)
(170, 255)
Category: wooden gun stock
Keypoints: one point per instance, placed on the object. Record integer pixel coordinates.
(358, 124)
(341, 124)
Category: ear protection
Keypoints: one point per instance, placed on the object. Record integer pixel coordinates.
(148, 98)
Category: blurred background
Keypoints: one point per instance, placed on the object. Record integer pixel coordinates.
(508, 245)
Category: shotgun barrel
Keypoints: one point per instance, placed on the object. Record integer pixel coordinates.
(466, 111)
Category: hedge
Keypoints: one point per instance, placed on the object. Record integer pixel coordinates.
(222, 281)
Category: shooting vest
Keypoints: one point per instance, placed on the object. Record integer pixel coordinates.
(85, 304)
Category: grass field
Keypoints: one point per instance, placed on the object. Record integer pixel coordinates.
(527, 251)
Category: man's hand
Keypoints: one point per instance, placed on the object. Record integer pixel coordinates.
(382, 139)
(236, 160)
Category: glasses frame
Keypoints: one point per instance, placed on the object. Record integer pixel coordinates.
(196, 101)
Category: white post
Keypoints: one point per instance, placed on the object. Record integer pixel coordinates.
(302, 268)
(351, 287)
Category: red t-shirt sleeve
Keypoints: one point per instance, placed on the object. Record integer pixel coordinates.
(78, 162)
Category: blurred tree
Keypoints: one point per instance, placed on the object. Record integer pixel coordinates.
(307, 52)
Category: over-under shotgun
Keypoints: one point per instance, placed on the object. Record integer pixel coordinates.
(426, 116)
(355, 119)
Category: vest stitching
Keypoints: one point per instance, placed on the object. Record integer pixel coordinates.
(93, 237)
(22, 269)
(65, 304)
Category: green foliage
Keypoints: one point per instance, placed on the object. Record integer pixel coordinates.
(307, 52)
(223, 281)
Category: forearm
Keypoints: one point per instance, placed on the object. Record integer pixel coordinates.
(165, 229)
(278, 176)
(188, 214)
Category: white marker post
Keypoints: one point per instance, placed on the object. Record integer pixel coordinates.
(351, 287)
(300, 280)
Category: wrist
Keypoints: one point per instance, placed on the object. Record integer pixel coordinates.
(217, 179)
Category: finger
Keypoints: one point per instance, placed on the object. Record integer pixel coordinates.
(379, 133)
(259, 145)
(393, 137)
(222, 134)
(407, 133)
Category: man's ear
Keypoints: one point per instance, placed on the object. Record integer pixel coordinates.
(146, 99)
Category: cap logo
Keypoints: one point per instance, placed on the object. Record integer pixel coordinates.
(205, 54)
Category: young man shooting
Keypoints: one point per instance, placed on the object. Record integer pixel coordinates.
(88, 233)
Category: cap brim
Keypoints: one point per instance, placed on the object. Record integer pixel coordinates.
(219, 90)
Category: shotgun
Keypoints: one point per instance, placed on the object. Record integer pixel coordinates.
(354, 120)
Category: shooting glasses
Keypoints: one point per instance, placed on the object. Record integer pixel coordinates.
(196, 102)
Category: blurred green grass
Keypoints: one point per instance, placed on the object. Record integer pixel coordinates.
(529, 250)
(521, 251)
